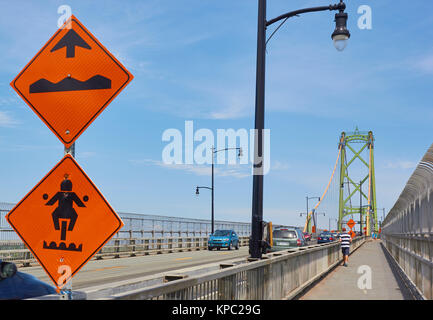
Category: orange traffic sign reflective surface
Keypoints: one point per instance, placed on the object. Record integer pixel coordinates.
(71, 80)
(64, 220)
(351, 223)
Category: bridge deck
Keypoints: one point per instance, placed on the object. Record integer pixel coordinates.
(342, 282)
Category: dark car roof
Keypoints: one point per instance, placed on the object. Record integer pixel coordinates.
(24, 286)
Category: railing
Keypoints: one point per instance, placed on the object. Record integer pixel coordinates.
(147, 226)
(141, 234)
(408, 228)
(280, 275)
(119, 247)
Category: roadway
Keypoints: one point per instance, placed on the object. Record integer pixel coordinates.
(98, 272)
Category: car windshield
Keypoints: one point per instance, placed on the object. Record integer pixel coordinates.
(291, 234)
(326, 234)
(222, 233)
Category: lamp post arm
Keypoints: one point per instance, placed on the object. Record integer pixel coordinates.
(215, 151)
(340, 6)
(205, 188)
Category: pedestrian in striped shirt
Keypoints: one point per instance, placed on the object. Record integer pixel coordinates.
(345, 240)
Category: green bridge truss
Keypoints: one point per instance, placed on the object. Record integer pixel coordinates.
(363, 206)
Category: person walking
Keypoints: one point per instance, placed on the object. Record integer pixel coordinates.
(345, 240)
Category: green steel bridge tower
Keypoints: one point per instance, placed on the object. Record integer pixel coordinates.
(357, 142)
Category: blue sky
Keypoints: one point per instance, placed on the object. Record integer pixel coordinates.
(194, 60)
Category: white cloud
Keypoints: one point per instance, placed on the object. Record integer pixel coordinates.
(401, 165)
(280, 166)
(6, 120)
(425, 64)
(236, 171)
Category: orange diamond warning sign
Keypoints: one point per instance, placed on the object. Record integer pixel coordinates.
(351, 223)
(71, 80)
(64, 220)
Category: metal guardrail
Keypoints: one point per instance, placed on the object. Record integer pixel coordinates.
(146, 226)
(408, 228)
(141, 234)
(280, 275)
(119, 247)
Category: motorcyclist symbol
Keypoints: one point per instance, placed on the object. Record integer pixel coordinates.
(63, 214)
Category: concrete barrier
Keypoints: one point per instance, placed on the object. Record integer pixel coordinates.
(14, 251)
(279, 275)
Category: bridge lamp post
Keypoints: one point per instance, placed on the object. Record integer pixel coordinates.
(318, 214)
(340, 37)
(212, 188)
(383, 213)
(313, 213)
(332, 219)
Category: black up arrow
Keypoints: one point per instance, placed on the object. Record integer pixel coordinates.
(70, 40)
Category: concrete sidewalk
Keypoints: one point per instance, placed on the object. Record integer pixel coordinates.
(342, 282)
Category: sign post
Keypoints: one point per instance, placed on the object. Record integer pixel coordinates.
(351, 224)
(70, 81)
(65, 220)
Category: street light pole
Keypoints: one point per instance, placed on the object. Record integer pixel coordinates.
(313, 215)
(197, 192)
(212, 188)
(360, 206)
(340, 35)
(257, 205)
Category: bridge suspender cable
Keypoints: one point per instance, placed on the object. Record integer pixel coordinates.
(369, 193)
(326, 190)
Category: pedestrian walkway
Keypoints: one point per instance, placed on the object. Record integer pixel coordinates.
(352, 282)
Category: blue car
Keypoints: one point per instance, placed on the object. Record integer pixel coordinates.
(16, 285)
(326, 237)
(223, 239)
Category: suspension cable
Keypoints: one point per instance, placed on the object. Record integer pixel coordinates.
(324, 193)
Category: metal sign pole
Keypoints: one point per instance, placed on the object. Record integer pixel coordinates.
(70, 150)
(66, 291)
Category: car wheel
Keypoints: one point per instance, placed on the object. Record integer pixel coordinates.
(209, 248)
(218, 248)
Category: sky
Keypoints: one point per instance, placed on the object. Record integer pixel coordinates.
(195, 60)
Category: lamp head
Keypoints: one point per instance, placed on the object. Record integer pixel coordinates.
(340, 34)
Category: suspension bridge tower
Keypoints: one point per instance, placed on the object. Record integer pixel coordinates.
(357, 196)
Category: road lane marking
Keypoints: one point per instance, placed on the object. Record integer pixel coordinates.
(186, 258)
(107, 268)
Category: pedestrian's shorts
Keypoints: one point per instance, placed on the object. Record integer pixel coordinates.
(345, 251)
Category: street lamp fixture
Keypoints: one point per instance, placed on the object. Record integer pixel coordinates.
(212, 188)
(340, 36)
